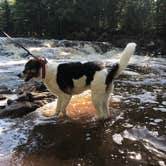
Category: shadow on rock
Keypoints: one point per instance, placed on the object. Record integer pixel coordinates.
(64, 140)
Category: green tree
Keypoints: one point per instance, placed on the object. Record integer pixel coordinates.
(85, 20)
(160, 16)
(5, 15)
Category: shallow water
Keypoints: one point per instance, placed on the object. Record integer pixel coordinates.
(135, 135)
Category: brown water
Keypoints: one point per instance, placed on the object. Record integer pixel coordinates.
(135, 134)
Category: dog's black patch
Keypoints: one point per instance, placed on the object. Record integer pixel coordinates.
(75, 70)
(32, 64)
(111, 74)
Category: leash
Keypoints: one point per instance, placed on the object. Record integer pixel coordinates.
(18, 44)
(42, 60)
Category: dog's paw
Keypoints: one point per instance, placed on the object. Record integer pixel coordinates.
(61, 115)
(56, 113)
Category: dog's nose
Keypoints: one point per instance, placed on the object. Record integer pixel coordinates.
(19, 75)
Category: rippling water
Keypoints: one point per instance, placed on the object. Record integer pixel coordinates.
(135, 136)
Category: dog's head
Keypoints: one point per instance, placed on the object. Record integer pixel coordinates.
(32, 70)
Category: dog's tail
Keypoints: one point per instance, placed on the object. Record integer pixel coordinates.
(125, 57)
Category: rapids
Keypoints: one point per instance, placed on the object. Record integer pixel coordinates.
(135, 136)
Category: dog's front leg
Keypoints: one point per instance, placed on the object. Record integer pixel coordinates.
(65, 102)
(58, 107)
(62, 104)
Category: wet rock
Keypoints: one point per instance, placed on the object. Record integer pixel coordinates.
(41, 87)
(10, 101)
(2, 107)
(43, 95)
(2, 97)
(25, 103)
(25, 97)
(36, 96)
(18, 109)
(5, 90)
(31, 87)
(66, 139)
(26, 87)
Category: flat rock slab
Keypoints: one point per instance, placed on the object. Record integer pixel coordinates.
(80, 108)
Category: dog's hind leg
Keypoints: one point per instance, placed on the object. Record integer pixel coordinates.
(100, 105)
(99, 96)
(108, 98)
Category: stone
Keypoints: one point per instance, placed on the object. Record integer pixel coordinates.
(31, 87)
(25, 97)
(5, 90)
(18, 109)
(2, 97)
(25, 103)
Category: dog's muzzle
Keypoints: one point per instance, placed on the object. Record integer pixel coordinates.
(20, 75)
(25, 77)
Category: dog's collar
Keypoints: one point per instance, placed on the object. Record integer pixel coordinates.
(43, 63)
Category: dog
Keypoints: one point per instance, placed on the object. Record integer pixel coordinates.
(71, 78)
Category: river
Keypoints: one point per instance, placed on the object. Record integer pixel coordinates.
(135, 136)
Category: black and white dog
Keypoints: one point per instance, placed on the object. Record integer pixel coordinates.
(67, 79)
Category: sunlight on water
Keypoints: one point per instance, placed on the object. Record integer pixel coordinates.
(134, 155)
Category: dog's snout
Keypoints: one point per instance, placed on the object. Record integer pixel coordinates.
(20, 75)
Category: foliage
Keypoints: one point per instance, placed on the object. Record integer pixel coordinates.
(85, 20)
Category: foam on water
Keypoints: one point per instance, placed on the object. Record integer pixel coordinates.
(10, 136)
(146, 97)
(117, 139)
(149, 139)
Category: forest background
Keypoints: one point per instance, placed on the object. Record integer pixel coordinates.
(116, 21)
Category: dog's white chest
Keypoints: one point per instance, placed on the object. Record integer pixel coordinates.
(50, 80)
(53, 87)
